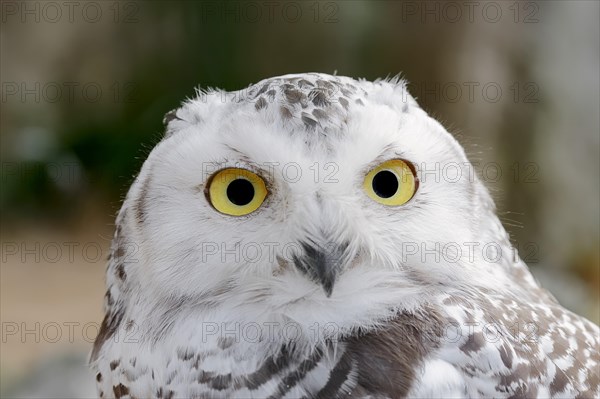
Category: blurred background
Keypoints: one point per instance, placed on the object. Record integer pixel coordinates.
(85, 85)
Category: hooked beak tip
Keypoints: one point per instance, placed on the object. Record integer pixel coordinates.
(322, 265)
(328, 288)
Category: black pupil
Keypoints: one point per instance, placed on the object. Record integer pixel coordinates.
(240, 192)
(385, 184)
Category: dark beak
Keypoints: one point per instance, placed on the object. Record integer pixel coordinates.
(321, 263)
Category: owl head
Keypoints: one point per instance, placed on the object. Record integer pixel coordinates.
(321, 198)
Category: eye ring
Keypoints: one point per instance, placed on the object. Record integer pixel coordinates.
(235, 191)
(392, 183)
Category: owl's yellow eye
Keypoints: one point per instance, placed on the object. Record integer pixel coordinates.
(236, 192)
(392, 183)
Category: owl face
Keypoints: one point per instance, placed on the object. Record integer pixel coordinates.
(306, 187)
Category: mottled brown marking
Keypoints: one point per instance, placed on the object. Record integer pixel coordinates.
(308, 121)
(561, 344)
(344, 103)
(110, 324)
(267, 369)
(517, 376)
(221, 382)
(114, 364)
(263, 89)
(474, 343)
(119, 254)
(119, 250)
(337, 377)
(586, 394)
(347, 93)
(293, 96)
(140, 203)
(559, 382)
(325, 84)
(120, 269)
(109, 299)
(225, 342)
(293, 377)
(184, 354)
(260, 104)
(132, 374)
(524, 391)
(170, 377)
(320, 114)
(506, 356)
(120, 390)
(319, 98)
(285, 113)
(205, 377)
(389, 358)
(304, 82)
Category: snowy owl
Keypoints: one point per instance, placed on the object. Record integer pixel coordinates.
(317, 236)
